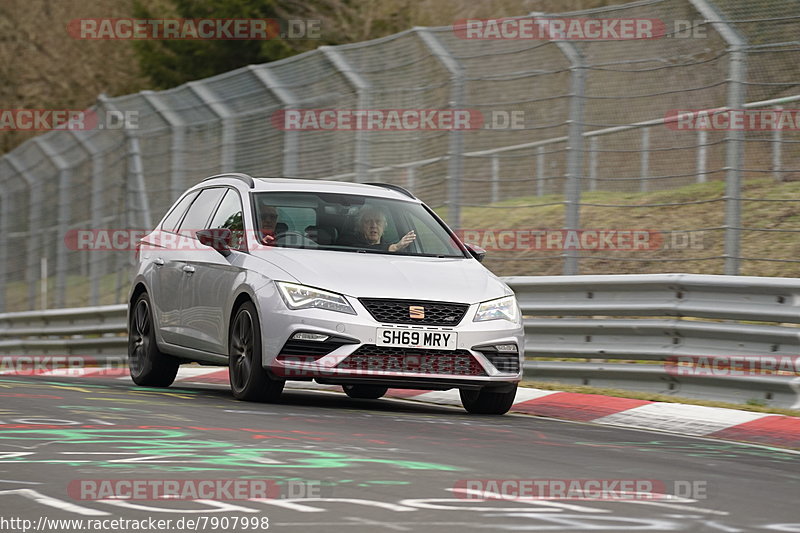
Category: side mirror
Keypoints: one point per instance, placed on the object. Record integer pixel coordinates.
(476, 251)
(219, 239)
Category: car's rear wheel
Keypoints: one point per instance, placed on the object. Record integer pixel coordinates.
(148, 365)
(249, 380)
(365, 392)
(488, 402)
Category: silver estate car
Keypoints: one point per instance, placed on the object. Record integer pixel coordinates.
(357, 285)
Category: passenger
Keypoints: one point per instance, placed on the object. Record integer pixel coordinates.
(370, 225)
(267, 221)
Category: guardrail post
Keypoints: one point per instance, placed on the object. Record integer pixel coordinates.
(64, 179)
(291, 143)
(702, 141)
(777, 139)
(733, 152)
(228, 156)
(362, 87)
(456, 150)
(34, 221)
(644, 169)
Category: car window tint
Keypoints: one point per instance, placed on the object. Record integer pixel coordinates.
(171, 221)
(200, 211)
(229, 215)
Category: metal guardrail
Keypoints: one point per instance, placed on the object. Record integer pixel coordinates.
(650, 317)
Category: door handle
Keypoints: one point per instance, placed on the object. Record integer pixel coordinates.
(158, 262)
(188, 269)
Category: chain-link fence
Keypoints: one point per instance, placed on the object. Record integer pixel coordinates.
(593, 149)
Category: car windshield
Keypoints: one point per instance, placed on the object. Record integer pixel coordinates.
(352, 223)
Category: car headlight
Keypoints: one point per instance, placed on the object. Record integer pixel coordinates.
(301, 297)
(502, 308)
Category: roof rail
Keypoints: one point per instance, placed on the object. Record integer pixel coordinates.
(393, 187)
(235, 175)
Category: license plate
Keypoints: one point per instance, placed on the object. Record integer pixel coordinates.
(417, 338)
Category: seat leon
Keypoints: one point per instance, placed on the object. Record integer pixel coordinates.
(357, 285)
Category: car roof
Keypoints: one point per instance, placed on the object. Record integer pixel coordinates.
(263, 184)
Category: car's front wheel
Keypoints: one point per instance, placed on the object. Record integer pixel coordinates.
(148, 365)
(365, 392)
(488, 402)
(249, 380)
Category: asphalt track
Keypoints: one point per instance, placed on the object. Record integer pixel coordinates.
(338, 464)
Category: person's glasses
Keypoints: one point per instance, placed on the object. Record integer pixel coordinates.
(269, 216)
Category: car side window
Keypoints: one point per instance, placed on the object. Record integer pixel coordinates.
(171, 222)
(200, 211)
(229, 215)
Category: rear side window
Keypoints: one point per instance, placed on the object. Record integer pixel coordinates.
(200, 211)
(171, 222)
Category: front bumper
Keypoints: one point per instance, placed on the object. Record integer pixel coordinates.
(438, 370)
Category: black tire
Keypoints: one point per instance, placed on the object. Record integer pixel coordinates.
(249, 380)
(148, 365)
(487, 402)
(365, 392)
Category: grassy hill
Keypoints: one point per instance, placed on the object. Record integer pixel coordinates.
(765, 250)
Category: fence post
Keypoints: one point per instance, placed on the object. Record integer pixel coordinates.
(228, 157)
(63, 216)
(34, 221)
(495, 177)
(5, 209)
(644, 169)
(135, 174)
(178, 148)
(572, 192)
(733, 152)
(362, 87)
(411, 179)
(456, 150)
(96, 207)
(291, 142)
(540, 177)
(702, 140)
(593, 163)
(777, 139)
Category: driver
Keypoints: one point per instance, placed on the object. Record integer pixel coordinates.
(370, 225)
(267, 221)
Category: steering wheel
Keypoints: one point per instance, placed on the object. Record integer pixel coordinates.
(289, 236)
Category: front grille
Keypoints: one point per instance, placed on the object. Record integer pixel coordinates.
(503, 362)
(398, 311)
(374, 358)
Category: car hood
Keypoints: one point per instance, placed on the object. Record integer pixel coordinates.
(389, 276)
